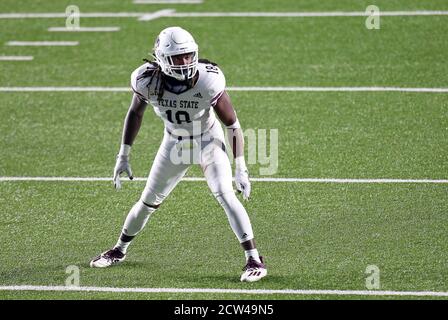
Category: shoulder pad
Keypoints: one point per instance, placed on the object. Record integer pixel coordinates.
(140, 78)
(214, 82)
(150, 68)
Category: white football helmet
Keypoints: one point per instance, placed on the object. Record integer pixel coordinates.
(174, 41)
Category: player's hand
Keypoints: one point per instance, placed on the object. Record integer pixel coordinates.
(122, 165)
(242, 182)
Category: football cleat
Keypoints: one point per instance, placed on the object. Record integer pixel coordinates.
(108, 258)
(253, 270)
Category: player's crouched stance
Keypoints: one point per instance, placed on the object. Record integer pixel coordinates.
(186, 93)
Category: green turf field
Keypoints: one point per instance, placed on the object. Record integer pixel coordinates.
(314, 236)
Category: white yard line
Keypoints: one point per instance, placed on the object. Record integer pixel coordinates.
(192, 179)
(65, 89)
(342, 89)
(232, 291)
(156, 15)
(303, 14)
(168, 1)
(84, 29)
(16, 58)
(47, 15)
(300, 89)
(42, 43)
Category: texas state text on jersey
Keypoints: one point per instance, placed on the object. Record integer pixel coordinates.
(180, 110)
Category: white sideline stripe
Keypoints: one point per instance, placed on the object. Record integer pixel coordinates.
(64, 89)
(156, 15)
(300, 89)
(305, 14)
(315, 180)
(237, 291)
(16, 58)
(168, 1)
(84, 29)
(342, 89)
(64, 15)
(47, 15)
(42, 43)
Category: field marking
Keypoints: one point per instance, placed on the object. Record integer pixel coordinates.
(167, 1)
(156, 15)
(342, 89)
(16, 58)
(65, 89)
(234, 291)
(192, 179)
(304, 14)
(42, 43)
(266, 89)
(84, 29)
(46, 15)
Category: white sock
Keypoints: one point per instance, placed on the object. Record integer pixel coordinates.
(122, 246)
(252, 253)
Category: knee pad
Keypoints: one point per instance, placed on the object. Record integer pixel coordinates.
(151, 198)
(153, 206)
(224, 198)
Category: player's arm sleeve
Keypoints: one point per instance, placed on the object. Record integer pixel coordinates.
(236, 140)
(137, 86)
(217, 86)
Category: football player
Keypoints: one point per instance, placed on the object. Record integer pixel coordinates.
(186, 92)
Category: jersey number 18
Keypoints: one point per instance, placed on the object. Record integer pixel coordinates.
(179, 116)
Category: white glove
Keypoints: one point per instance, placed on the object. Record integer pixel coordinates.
(122, 165)
(242, 178)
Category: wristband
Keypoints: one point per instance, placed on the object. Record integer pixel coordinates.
(235, 125)
(240, 163)
(125, 149)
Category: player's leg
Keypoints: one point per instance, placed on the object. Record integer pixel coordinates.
(163, 177)
(218, 172)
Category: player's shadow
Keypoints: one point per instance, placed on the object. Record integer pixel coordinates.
(133, 264)
(27, 273)
(125, 265)
(271, 280)
(278, 281)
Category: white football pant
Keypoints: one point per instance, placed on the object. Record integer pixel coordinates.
(172, 161)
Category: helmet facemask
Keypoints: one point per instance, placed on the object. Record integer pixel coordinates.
(170, 43)
(182, 71)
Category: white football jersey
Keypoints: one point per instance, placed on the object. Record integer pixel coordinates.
(191, 108)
